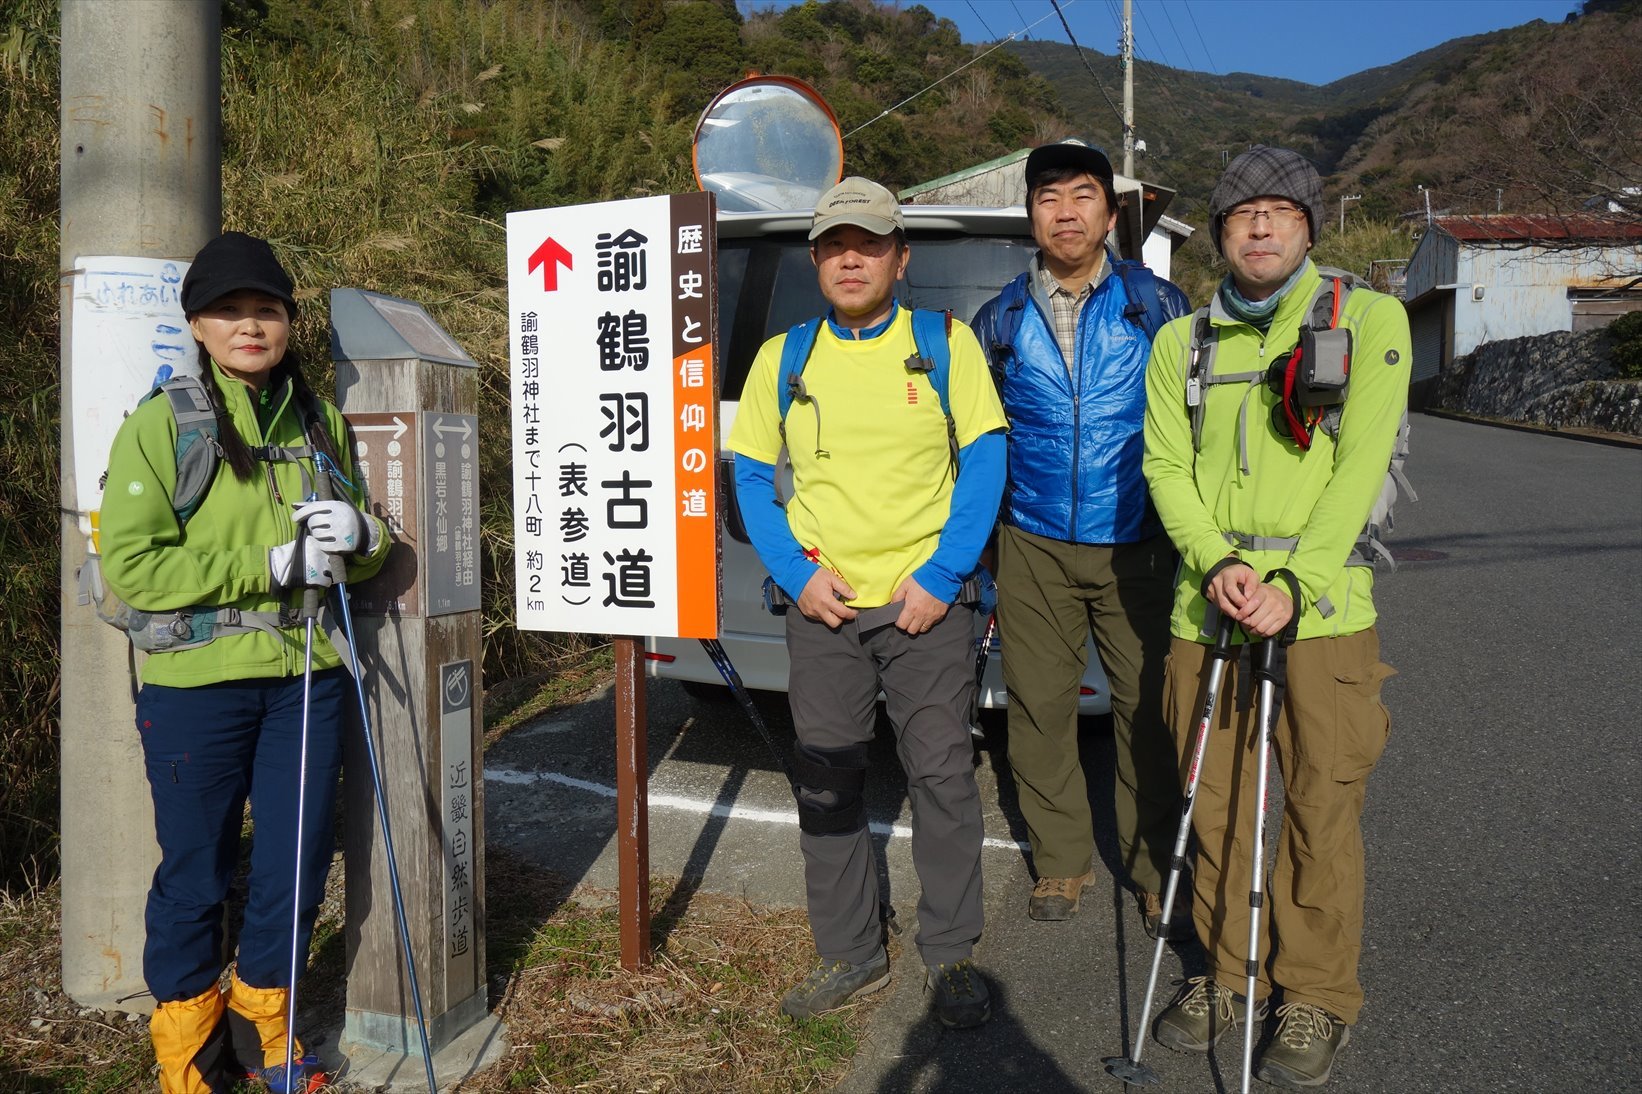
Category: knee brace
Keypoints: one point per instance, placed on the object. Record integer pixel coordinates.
(827, 785)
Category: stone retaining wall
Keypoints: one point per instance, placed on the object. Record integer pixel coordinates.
(1557, 380)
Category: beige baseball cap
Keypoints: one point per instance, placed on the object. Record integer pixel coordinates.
(860, 202)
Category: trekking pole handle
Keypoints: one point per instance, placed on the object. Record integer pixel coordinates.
(1265, 660)
(1222, 638)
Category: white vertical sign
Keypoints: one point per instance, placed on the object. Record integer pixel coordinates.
(128, 325)
(611, 327)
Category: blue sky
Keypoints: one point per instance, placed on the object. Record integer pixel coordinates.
(1316, 41)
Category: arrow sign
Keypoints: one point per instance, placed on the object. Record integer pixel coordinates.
(441, 428)
(550, 256)
(398, 428)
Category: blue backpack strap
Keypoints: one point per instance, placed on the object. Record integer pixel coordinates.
(795, 354)
(1007, 314)
(932, 335)
(1152, 300)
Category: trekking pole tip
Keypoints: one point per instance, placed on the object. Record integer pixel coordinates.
(1130, 1072)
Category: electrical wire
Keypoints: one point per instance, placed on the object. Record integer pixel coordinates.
(976, 12)
(1118, 114)
(981, 56)
(1199, 30)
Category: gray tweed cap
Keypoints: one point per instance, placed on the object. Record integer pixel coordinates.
(1264, 171)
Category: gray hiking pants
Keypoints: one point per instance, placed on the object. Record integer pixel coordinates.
(928, 683)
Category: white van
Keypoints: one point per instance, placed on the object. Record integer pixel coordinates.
(961, 257)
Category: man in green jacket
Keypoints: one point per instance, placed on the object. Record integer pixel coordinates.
(1265, 500)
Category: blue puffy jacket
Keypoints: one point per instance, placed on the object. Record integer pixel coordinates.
(1075, 441)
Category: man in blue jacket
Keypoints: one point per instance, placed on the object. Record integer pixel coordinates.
(1080, 545)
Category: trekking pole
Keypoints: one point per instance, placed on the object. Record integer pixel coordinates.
(1265, 661)
(980, 669)
(721, 662)
(387, 840)
(311, 599)
(1129, 1068)
(382, 810)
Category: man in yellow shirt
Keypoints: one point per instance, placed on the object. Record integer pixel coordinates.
(891, 505)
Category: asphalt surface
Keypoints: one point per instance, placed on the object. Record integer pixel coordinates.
(1504, 908)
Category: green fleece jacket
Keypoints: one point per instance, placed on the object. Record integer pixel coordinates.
(1323, 494)
(220, 558)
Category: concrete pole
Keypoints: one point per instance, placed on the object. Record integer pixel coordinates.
(141, 177)
(1128, 89)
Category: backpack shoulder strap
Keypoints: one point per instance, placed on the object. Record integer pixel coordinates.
(795, 354)
(199, 449)
(1144, 309)
(932, 335)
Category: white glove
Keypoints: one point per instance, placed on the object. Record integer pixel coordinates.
(312, 565)
(337, 526)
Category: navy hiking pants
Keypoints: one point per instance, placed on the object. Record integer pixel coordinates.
(208, 749)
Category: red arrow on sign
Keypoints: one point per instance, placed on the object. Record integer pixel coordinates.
(550, 256)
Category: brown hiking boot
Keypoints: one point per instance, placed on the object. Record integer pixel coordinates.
(1056, 898)
(1301, 1053)
(1180, 916)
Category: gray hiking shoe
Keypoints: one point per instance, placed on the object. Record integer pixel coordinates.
(831, 984)
(961, 998)
(1200, 1014)
(1056, 898)
(1301, 1053)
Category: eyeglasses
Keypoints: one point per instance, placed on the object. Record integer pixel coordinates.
(1242, 220)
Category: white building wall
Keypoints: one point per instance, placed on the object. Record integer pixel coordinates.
(1525, 292)
(1158, 252)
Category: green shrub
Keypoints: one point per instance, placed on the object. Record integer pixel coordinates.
(1625, 334)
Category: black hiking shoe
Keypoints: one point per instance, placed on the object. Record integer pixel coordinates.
(1301, 1053)
(831, 984)
(961, 998)
(1200, 1015)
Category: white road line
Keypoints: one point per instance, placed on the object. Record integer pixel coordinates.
(679, 803)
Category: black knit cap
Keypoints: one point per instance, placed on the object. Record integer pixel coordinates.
(231, 262)
(1264, 171)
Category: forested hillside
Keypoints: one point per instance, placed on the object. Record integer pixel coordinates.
(1536, 118)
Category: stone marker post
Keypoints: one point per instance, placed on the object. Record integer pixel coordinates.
(410, 395)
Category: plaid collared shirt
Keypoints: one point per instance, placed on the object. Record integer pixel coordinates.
(1065, 307)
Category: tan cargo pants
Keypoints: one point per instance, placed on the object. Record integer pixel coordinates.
(1330, 730)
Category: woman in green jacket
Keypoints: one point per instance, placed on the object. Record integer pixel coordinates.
(221, 714)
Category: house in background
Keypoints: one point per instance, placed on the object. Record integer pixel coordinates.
(1142, 230)
(1485, 278)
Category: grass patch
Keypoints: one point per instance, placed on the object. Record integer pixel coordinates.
(702, 1018)
(514, 703)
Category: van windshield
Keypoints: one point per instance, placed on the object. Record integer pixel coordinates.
(767, 285)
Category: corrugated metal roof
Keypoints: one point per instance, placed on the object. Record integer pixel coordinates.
(1511, 228)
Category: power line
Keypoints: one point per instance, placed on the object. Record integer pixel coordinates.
(1184, 52)
(1021, 17)
(1206, 56)
(980, 56)
(989, 35)
(1087, 67)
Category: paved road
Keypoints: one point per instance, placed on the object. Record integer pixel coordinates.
(1504, 907)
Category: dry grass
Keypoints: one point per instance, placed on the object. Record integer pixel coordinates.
(702, 1018)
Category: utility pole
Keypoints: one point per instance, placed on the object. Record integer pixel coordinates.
(1426, 190)
(141, 133)
(1343, 199)
(1127, 50)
